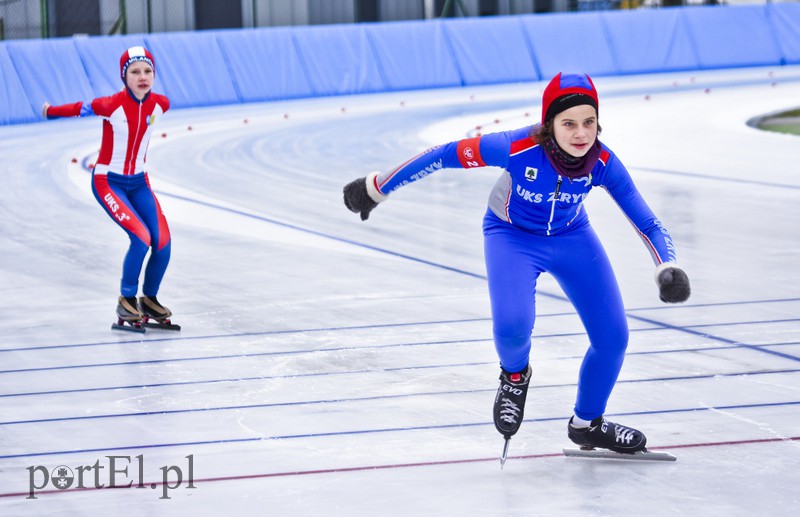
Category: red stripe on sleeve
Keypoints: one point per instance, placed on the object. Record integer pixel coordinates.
(517, 146)
(469, 153)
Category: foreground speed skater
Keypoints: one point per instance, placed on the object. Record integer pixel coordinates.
(536, 223)
(122, 187)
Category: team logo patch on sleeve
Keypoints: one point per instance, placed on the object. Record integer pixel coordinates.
(469, 153)
(531, 173)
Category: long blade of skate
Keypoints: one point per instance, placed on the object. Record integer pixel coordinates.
(505, 453)
(127, 328)
(162, 326)
(604, 453)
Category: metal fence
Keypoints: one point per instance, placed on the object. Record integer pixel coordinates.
(25, 19)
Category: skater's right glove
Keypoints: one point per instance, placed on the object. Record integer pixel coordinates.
(673, 284)
(362, 195)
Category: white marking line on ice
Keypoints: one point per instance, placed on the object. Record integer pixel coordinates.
(760, 425)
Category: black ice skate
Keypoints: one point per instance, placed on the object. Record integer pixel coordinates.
(607, 435)
(152, 310)
(128, 315)
(509, 405)
(607, 440)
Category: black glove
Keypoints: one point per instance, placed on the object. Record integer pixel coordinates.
(673, 284)
(357, 198)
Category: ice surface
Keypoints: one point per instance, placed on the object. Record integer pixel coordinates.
(332, 367)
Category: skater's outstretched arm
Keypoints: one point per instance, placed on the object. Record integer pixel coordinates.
(672, 281)
(74, 109)
(362, 195)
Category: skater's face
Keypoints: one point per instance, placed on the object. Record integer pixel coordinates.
(575, 129)
(139, 78)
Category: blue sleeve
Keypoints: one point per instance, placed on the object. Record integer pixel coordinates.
(481, 151)
(656, 238)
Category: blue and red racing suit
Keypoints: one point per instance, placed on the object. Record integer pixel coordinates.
(536, 223)
(120, 182)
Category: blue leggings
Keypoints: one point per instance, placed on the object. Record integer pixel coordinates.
(514, 260)
(130, 202)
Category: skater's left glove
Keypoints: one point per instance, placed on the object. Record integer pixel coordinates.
(362, 195)
(673, 284)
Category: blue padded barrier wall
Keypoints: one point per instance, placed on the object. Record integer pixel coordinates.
(732, 36)
(192, 69)
(264, 64)
(100, 57)
(338, 59)
(569, 43)
(50, 71)
(488, 53)
(14, 104)
(413, 54)
(784, 19)
(247, 65)
(648, 41)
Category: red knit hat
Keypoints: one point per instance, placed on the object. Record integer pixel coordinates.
(132, 55)
(565, 91)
